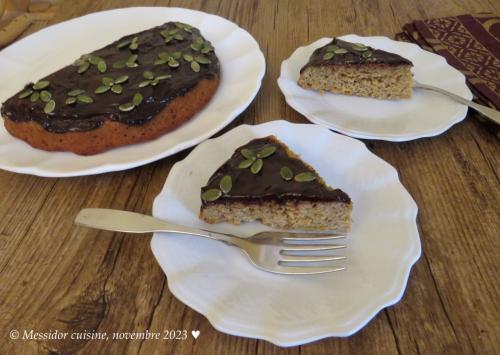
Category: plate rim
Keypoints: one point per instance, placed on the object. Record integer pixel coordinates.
(224, 325)
(113, 167)
(436, 131)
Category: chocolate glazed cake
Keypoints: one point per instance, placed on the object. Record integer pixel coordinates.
(355, 69)
(133, 90)
(264, 180)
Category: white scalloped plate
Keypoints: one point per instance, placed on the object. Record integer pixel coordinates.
(425, 114)
(218, 281)
(242, 66)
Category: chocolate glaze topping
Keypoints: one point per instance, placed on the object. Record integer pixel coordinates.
(268, 183)
(84, 117)
(353, 56)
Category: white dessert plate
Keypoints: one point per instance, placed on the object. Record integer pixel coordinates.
(425, 114)
(242, 70)
(237, 298)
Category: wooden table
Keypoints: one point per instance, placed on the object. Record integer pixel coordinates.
(55, 276)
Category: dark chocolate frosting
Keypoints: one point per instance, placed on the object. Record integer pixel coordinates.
(346, 53)
(268, 184)
(82, 116)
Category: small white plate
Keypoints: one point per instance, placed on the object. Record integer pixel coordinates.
(237, 298)
(242, 67)
(425, 114)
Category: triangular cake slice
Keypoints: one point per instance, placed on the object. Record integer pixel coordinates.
(355, 69)
(264, 180)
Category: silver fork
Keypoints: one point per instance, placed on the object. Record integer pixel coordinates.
(490, 113)
(276, 252)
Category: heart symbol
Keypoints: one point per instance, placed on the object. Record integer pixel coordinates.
(195, 333)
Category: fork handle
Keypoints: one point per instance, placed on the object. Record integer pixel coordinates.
(132, 222)
(485, 110)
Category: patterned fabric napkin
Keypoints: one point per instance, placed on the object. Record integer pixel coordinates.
(470, 43)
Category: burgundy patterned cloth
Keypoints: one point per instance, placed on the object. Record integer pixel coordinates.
(470, 43)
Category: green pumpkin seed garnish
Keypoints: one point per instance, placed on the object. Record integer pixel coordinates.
(256, 166)
(134, 46)
(286, 173)
(123, 43)
(328, 55)
(102, 89)
(129, 106)
(331, 48)
(78, 62)
(248, 154)
(176, 55)
(119, 65)
(179, 37)
(188, 58)
(367, 54)
(245, 163)
(196, 46)
(195, 66)
(132, 58)
(49, 106)
(117, 89)
(148, 75)
(211, 195)
(340, 51)
(75, 92)
(137, 99)
(206, 48)
(160, 61)
(144, 83)
(45, 96)
(202, 59)
(35, 96)
(25, 93)
(131, 64)
(93, 59)
(305, 177)
(121, 79)
(359, 47)
(226, 183)
(42, 84)
(85, 99)
(173, 63)
(164, 33)
(70, 100)
(168, 39)
(164, 55)
(155, 82)
(164, 76)
(83, 68)
(266, 152)
(101, 66)
(107, 81)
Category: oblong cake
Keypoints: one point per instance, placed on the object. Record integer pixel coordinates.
(133, 90)
(264, 180)
(354, 69)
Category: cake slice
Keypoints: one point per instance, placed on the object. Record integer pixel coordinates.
(264, 180)
(354, 69)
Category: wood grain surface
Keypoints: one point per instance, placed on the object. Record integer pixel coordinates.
(56, 276)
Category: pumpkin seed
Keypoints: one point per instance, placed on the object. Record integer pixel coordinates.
(93, 59)
(137, 99)
(207, 48)
(35, 96)
(340, 51)
(160, 61)
(102, 89)
(226, 183)
(331, 48)
(121, 79)
(101, 66)
(328, 55)
(162, 77)
(173, 31)
(123, 44)
(196, 46)
(164, 33)
(245, 163)
(173, 63)
(247, 153)
(75, 92)
(305, 177)
(42, 84)
(168, 39)
(49, 106)
(286, 173)
(129, 106)
(164, 55)
(148, 75)
(195, 66)
(177, 55)
(107, 81)
(131, 64)
(202, 59)
(78, 62)
(85, 99)
(367, 54)
(83, 68)
(155, 82)
(211, 195)
(119, 65)
(132, 58)
(188, 58)
(266, 152)
(70, 100)
(25, 93)
(144, 83)
(45, 96)
(179, 37)
(359, 47)
(117, 89)
(256, 166)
